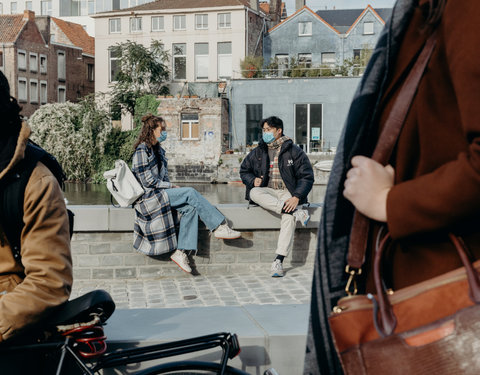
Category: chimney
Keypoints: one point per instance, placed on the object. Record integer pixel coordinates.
(275, 11)
(28, 15)
(299, 4)
(254, 5)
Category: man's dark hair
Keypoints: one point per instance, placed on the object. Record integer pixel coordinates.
(273, 122)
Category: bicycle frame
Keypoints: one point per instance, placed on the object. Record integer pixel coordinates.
(228, 342)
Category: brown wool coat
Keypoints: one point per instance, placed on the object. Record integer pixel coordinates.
(45, 279)
(437, 158)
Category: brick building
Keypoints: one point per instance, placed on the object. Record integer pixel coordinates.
(45, 59)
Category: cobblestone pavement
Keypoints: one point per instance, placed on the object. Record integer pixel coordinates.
(188, 291)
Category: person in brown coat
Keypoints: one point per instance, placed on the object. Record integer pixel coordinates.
(432, 184)
(30, 289)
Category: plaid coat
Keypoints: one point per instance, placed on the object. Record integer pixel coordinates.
(154, 228)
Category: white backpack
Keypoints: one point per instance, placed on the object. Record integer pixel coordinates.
(122, 184)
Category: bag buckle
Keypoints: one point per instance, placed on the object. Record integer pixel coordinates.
(352, 282)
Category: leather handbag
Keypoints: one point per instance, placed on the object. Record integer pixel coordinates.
(123, 185)
(429, 328)
(432, 327)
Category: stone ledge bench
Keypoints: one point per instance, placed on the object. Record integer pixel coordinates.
(103, 236)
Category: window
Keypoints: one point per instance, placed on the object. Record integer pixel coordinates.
(179, 61)
(43, 64)
(135, 24)
(308, 127)
(356, 55)
(114, 64)
(22, 90)
(43, 92)
(62, 94)
(33, 91)
(201, 21)
(22, 60)
(33, 62)
(46, 8)
(304, 28)
(61, 68)
(1, 60)
(282, 60)
(158, 23)
(201, 60)
(190, 126)
(28, 5)
(368, 27)
(305, 60)
(91, 6)
(13, 7)
(224, 20)
(224, 51)
(328, 58)
(179, 22)
(91, 72)
(115, 25)
(254, 115)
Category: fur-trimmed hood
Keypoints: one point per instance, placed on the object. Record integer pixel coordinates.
(19, 153)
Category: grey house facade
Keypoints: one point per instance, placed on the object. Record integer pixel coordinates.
(313, 110)
(325, 38)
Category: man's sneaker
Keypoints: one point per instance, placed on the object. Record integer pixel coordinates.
(302, 216)
(277, 268)
(224, 232)
(181, 259)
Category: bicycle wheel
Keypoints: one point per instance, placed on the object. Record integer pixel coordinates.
(190, 368)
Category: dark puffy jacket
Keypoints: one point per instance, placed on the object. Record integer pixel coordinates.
(295, 169)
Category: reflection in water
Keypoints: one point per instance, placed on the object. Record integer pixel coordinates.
(92, 194)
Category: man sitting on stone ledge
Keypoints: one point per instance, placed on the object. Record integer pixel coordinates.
(278, 176)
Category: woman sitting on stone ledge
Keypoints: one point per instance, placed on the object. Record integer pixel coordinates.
(154, 229)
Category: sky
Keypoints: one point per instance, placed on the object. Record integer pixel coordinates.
(339, 4)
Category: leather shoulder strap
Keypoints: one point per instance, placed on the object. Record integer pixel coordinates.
(385, 145)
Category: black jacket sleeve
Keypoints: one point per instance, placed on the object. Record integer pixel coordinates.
(303, 174)
(247, 173)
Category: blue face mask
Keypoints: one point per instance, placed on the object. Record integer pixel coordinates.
(268, 137)
(163, 136)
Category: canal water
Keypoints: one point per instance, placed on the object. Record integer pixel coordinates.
(97, 194)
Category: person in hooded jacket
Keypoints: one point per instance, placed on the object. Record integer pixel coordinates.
(32, 288)
(278, 176)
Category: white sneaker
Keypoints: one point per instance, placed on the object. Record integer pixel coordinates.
(181, 260)
(302, 216)
(224, 232)
(277, 268)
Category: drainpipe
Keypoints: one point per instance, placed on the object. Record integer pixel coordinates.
(246, 34)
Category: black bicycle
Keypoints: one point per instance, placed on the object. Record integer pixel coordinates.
(76, 344)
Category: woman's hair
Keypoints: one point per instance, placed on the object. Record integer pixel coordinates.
(9, 110)
(435, 11)
(150, 123)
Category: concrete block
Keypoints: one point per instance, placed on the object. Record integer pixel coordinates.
(111, 260)
(88, 218)
(82, 273)
(99, 248)
(88, 261)
(134, 260)
(79, 248)
(247, 257)
(102, 273)
(223, 258)
(125, 273)
(121, 247)
(121, 219)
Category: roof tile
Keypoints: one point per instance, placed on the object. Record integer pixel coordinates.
(10, 27)
(176, 4)
(77, 35)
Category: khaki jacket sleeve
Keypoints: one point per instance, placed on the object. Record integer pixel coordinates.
(46, 256)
